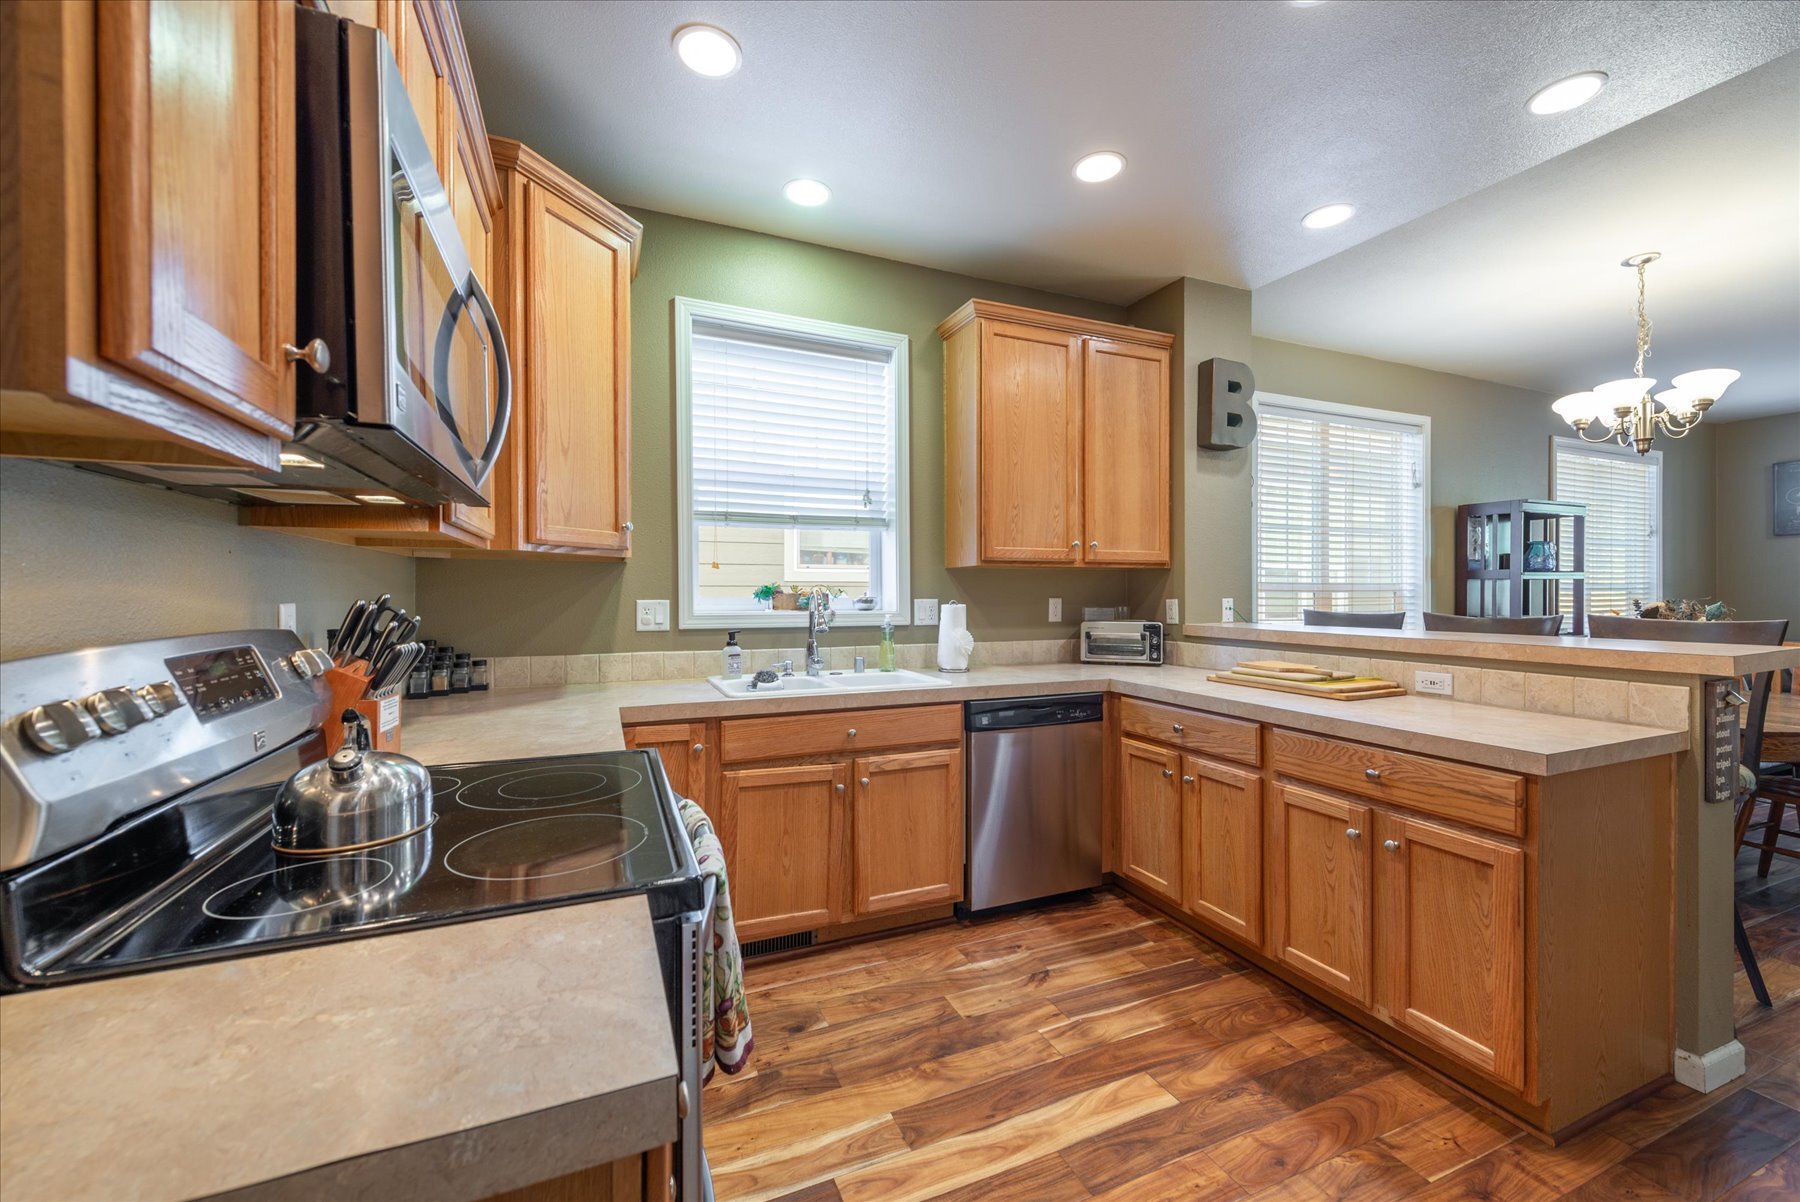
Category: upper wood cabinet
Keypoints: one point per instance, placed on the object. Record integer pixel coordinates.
(1150, 844)
(149, 241)
(564, 263)
(1056, 440)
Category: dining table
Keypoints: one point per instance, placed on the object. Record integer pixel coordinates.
(1781, 729)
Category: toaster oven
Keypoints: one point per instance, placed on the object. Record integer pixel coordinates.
(1121, 642)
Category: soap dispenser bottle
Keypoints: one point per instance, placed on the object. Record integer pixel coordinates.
(887, 657)
(734, 656)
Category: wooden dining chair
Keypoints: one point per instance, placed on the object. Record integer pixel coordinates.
(1756, 688)
(1548, 624)
(1375, 621)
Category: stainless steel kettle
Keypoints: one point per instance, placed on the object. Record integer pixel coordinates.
(358, 798)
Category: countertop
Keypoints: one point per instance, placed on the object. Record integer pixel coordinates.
(448, 1063)
(578, 718)
(1629, 655)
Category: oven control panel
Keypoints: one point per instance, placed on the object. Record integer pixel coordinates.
(222, 681)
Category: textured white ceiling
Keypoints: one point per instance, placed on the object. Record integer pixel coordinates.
(1520, 283)
(947, 132)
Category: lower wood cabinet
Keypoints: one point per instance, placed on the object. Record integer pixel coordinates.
(789, 847)
(683, 749)
(1221, 846)
(1150, 817)
(907, 829)
(1321, 905)
(1451, 942)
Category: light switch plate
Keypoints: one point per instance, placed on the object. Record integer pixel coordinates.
(1172, 611)
(652, 615)
(1056, 609)
(1432, 682)
(925, 611)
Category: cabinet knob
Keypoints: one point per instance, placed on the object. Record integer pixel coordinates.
(1167, 772)
(1372, 773)
(699, 747)
(839, 788)
(629, 527)
(1177, 728)
(1075, 546)
(852, 732)
(864, 782)
(1187, 780)
(314, 354)
(1352, 832)
(1391, 844)
(1094, 546)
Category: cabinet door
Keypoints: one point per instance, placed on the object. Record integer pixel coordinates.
(682, 748)
(423, 64)
(196, 172)
(907, 829)
(1222, 851)
(578, 381)
(790, 845)
(1030, 444)
(1321, 898)
(1453, 942)
(1125, 453)
(1150, 817)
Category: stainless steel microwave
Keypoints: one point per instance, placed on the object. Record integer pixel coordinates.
(1122, 642)
(416, 394)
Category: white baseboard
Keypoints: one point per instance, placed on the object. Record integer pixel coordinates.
(1707, 1072)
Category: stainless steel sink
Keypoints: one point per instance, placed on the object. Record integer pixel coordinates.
(831, 682)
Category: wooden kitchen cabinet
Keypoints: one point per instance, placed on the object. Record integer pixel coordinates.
(149, 289)
(791, 846)
(1221, 850)
(1056, 440)
(564, 263)
(1150, 843)
(907, 830)
(1321, 900)
(685, 755)
(1452, 942)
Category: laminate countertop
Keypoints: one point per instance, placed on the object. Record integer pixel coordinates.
(449, 1063)
(577, 718)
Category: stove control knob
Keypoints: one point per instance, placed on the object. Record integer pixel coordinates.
(117, 710)
(58, 727)
(160, 698)
(309, 663)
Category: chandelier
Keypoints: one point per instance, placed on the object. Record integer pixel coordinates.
(1624, 411)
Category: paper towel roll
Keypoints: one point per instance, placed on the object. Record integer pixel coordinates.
(955, 643)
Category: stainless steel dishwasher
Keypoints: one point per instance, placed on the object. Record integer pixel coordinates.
(1035, 782)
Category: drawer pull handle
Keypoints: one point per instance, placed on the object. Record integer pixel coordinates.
(1187, 780)
(1352, 832)
(1391, 844)
(1168, 772)
(852, 732)
(864, 782)
(1372, 773)
(1177, 728)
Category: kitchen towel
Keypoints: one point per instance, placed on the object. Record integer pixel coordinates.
(726, 1040)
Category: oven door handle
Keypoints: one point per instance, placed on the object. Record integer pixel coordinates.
(503, 385)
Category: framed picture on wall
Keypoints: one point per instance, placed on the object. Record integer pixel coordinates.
(1787, 497)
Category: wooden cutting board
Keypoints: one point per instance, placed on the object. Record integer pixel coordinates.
(1344, 690)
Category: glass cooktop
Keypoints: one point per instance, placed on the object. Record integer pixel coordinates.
(507, 835)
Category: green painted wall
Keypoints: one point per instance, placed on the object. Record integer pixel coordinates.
(527, 607)
(1758, 573)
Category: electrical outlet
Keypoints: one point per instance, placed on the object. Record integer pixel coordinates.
(1172, 611)
(1432, 682)
(925, 611)
(652, 615)
(1056, 609)
(1227, 610)
(287, 617)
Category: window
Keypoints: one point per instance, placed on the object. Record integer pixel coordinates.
(1340, 496)
(792, 469)
(1623, 494)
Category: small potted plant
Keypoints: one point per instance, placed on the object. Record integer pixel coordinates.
(765, 594)
(784, 599)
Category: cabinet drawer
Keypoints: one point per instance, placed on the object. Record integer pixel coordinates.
(793, 735)
(1478, 796)
(1203, 734)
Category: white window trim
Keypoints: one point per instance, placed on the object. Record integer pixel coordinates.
(1628, 453)
(1390, 417)
(687, 310)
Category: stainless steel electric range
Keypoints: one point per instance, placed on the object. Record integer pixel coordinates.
(136, 784)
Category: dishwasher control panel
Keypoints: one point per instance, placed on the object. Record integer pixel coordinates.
(1044, 711)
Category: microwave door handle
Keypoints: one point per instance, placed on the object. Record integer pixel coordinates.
(503, 385)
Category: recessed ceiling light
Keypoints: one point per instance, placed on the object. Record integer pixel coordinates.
(1566, 94)
(1099, 166)
(708, 50)
(808, 192)
(1326, 216)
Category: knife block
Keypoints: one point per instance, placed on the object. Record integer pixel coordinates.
(347, 688)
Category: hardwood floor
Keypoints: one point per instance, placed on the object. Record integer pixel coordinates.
(1096, 1050)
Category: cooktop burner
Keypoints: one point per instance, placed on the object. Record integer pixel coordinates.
(554, 787)
(555, 845)
(297, 888)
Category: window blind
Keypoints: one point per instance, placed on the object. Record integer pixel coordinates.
(1340, 513)
(789, 430)
(1623, 494)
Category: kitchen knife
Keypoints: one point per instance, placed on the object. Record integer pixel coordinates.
(358, 635)
(347, 629)
(400, 630)
(378, 641)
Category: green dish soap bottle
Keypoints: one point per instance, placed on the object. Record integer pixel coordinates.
(887, 657)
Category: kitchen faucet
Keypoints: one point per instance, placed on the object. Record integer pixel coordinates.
(818, 622)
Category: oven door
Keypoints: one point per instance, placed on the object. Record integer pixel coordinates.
(444, 381)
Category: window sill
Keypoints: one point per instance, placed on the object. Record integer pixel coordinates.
(773, 619)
